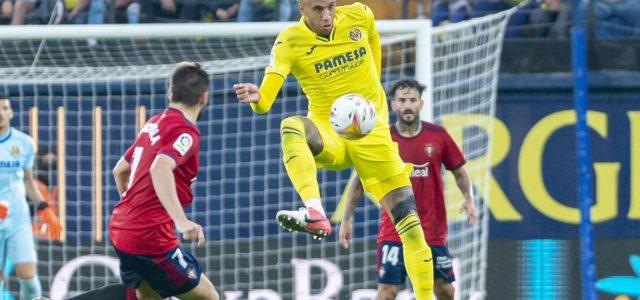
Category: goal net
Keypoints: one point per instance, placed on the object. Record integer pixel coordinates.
(466, 60)
(83, 92)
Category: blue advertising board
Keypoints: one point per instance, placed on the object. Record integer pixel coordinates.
(534, 166)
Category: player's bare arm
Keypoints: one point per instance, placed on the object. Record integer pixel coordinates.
(164, 184)
(355, 195)
(121, 175)
(464, 184)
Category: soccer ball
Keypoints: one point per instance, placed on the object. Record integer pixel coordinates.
(352, 116)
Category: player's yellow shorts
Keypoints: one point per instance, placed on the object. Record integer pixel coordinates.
(375, 158)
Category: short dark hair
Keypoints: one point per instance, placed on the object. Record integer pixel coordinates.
(406, 83)
(3, 96)
(188, 82)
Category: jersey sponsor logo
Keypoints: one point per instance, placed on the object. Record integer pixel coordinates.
(429, 149)
(340, 59)
(9, 163)
(420, 170)
(444, 262)
(355, 35)
(341, 64)
(311, 50)
(183, 143)
(15, 150)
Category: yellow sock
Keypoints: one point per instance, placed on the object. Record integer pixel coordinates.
(417, 256)
(298, 159)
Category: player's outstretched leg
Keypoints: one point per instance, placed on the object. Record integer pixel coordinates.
(300, 140)
(417, 254)
(204, 290)
(145, 291)
(305, 220)
(111, 291)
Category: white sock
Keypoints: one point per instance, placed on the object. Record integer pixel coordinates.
(30, 288)
(316, 204)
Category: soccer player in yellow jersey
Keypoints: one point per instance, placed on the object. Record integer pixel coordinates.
(334, 51)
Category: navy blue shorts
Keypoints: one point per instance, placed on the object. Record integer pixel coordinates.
(390, 262)
(173, 273)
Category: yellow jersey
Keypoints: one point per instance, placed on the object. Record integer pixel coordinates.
(328, 68)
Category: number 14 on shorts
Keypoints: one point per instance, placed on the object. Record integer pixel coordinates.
(390, 254)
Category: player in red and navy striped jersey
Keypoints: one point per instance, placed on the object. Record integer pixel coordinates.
(427, 147)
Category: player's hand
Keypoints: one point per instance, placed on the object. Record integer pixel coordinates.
(51, 221)
(470, 208)
(191, 231)
(4, 209)
(247, 92)
(346, 233)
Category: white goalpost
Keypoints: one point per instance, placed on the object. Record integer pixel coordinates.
(83, 92)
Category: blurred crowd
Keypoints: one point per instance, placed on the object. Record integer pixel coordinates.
(545, 18)
(17, 12)
(537, 18)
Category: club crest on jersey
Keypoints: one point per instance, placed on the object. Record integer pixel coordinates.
(428, 148)
(191, 273)
(355, 35)
(15, 150)
(183, 143)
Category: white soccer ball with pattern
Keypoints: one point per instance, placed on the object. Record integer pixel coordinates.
(352, 116)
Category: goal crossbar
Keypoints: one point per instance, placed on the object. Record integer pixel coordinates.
(182, 30)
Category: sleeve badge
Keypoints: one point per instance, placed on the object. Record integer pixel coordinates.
(183, 143)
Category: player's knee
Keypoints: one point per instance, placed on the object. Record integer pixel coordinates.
(204, 290)
(399, 203)
(386, 292)
(403, 208)
(212, 293)
(215, 295)
(301, 128)
(292, 126)
(25, 271)
(443, 290)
